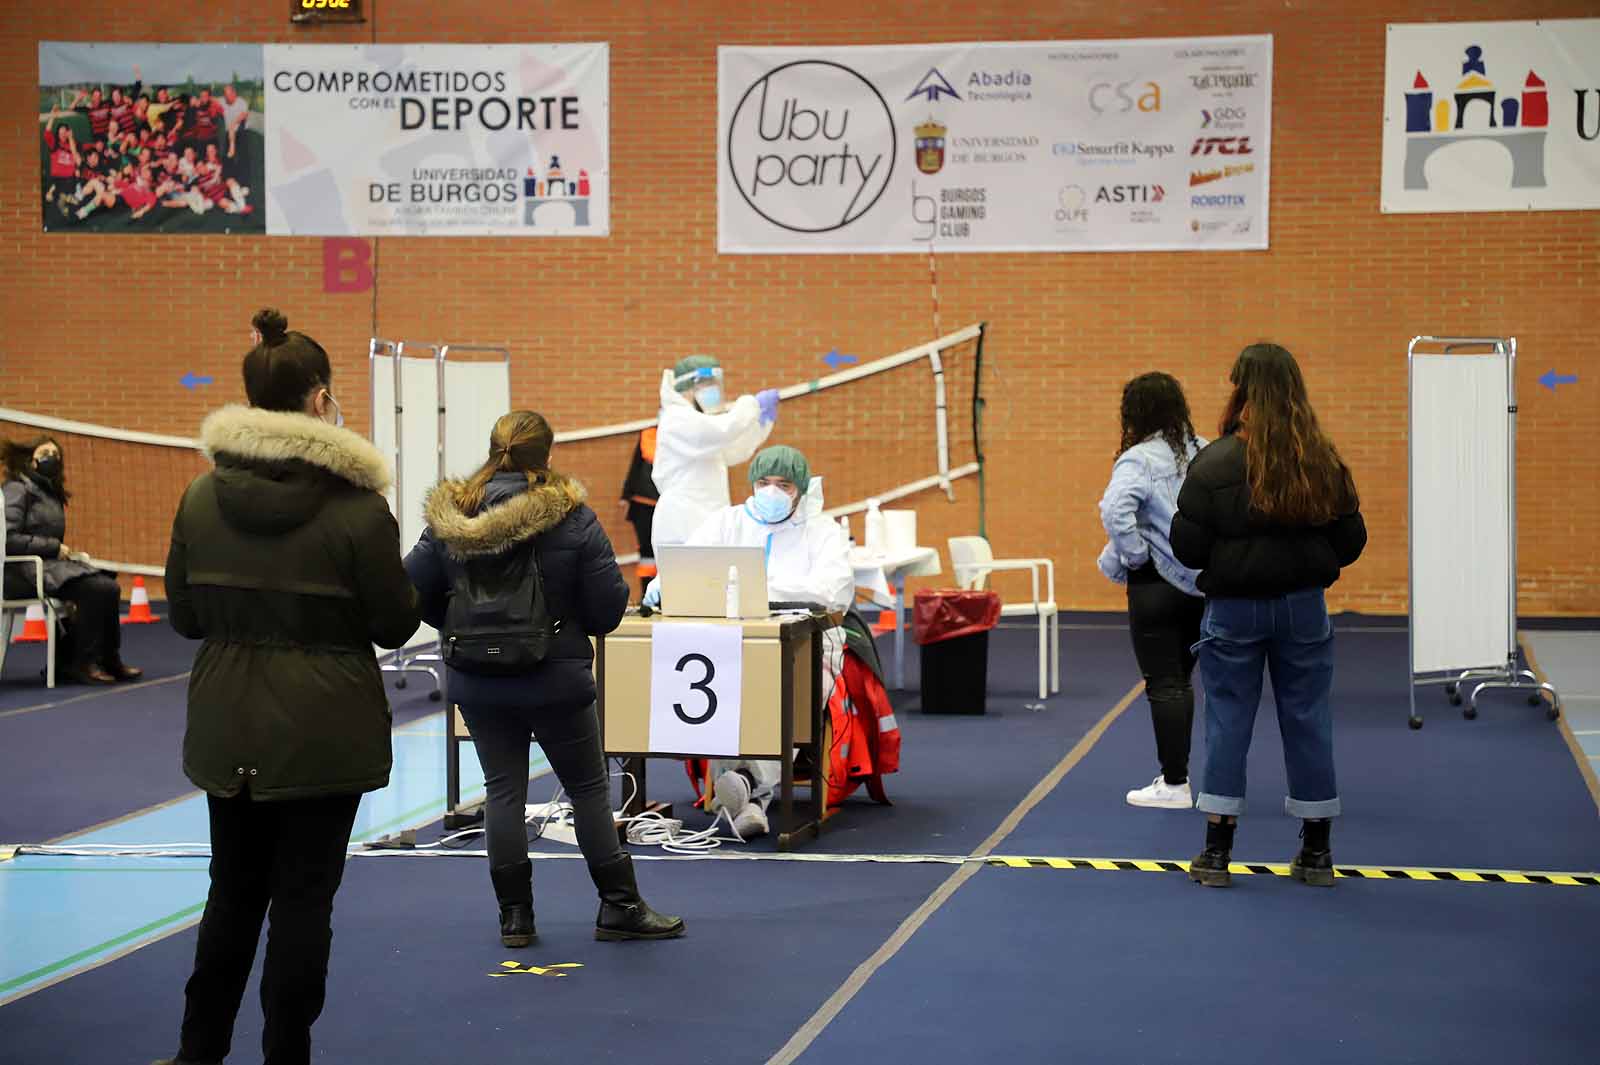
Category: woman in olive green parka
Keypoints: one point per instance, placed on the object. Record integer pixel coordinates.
(285, 560)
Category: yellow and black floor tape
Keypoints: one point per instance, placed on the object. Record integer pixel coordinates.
(1351, 872)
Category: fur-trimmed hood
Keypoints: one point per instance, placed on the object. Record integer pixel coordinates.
(509, 517)
(257, 435)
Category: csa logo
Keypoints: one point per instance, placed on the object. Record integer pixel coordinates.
(1105, 96)
(930, 146)
(1520, 129)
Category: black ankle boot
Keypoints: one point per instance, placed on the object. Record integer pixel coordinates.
(513, 888)
(1314, 864)
(623, 914)
(1211, 866)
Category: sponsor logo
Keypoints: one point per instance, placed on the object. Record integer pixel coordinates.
(1230, 201)
(1072, 207)
(1205, 177)
(932, 86)
(1221, 146)
(1518, 121)
(1130, 194)
(1122, 97)
(1222, 117)
(951, 215)
(930, 146)
(1214, 81)
(1089, 153)
(811, 145)
(1011, 86)
(1209, 226)
(1012, 149)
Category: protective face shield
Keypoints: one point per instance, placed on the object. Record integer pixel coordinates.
(771, 505)
(704, 384)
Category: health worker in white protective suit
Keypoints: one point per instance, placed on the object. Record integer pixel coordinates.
(808, 561)
(698, 439)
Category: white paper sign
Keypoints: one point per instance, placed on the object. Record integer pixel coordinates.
(1492, 116)
(1038, 146)
(696, 683)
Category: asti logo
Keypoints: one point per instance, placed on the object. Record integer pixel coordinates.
(932, 86)
(1105, 96)
(1130, 194)
(1222, 146)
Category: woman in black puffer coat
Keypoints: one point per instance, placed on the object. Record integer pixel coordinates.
(36, 524)
(513, 507)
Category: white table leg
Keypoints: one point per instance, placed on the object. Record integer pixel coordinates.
(900, 633)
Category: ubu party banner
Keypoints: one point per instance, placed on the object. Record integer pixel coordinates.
(1039, 146)
(324, 140)
(1492, 116)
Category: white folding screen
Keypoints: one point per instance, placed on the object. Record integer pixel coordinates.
(1463, 611)
(475, 395)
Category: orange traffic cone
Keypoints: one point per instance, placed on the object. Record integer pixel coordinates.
(33, 627)
(139, 606)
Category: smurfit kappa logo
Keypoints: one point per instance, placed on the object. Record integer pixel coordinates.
(1521, 128)
(811, 145)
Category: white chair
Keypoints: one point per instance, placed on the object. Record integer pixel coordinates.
(974, 560)
(9, 608)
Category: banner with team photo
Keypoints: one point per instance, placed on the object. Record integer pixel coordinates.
(151, 138)
(1492, 116)
(325, 140)
(438, 140)
(1136, 145)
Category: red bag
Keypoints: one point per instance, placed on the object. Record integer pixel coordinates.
(949, 613)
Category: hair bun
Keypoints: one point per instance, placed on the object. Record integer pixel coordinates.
(272, 325)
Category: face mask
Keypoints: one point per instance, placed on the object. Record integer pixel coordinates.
(49, 467)
(771, 504)
(709, 398)
(338, 415)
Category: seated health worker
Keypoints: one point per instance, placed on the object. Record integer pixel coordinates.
(807, 562)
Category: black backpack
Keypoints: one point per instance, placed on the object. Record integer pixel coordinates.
(498, 623)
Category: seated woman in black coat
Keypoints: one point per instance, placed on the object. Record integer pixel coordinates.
(36, 524)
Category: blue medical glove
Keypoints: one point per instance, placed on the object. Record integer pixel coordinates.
(769, 405)
(652, 595)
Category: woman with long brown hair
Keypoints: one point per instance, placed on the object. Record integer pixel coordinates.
(516, 573)
(1270, 515)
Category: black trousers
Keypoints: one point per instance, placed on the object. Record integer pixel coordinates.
(286, 857)
(94, 638)
(570, 739)
(1165, 624)
(643, 520)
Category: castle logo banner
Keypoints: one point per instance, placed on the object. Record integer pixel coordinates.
(1492, 116)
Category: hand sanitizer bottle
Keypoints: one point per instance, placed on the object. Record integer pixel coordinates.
(875, 527)
(731, 605)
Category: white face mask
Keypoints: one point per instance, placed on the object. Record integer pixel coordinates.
(338, 414)
(771, 504)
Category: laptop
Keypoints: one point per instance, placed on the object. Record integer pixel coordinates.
(694, 580)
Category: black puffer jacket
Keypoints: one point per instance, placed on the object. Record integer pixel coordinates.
(1240, 553)
(36, 523)
(582, 583)
(286, 561)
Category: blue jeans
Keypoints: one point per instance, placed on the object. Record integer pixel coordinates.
(1291, 636)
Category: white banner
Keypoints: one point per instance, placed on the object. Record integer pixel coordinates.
(1492, 116)
(1040, 146)
(696, 688)
(437, 140)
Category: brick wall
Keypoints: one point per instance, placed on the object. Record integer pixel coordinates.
(1343, 286)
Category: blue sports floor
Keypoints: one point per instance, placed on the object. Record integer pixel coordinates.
(970, 955)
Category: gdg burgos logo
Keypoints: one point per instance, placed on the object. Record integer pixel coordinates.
(811, 146)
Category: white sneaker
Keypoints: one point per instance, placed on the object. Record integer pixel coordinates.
(751, 821)
(1162, 796)
(732, 793)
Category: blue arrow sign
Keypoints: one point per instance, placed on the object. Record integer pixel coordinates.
(836, 360)
(190, 380)
(1551, 379)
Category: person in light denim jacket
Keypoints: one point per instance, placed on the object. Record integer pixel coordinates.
(1164, 606)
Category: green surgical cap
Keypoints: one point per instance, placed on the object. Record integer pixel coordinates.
(782, 461)
(692, 363)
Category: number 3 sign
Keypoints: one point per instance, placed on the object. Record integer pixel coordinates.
(696, 680)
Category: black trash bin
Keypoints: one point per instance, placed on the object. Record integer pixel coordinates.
(952, 628)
